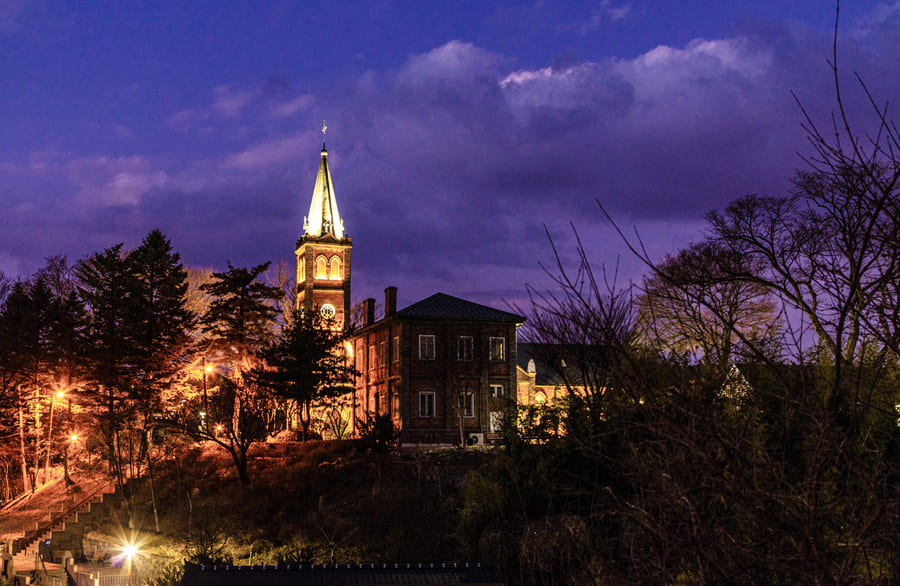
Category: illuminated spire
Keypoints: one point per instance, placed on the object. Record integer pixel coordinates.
(323, 215)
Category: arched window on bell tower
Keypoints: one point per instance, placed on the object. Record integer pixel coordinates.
(335, 274)
(321, 268)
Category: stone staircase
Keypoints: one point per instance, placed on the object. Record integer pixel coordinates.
(42, 552)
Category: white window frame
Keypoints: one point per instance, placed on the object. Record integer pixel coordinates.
(497, 391)
(495, 424)
(427, 397)
(502, 346)
(424, 339)
(464, 348)
(468, 400)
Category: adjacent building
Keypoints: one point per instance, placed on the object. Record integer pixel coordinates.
(543, 377)
(443, 368)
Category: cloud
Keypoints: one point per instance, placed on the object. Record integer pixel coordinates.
(104, 181)
(229, 102)
(448, 167)
(606, 12)
(267, 153)
(290, 107)
(185, 120)
(273, 100)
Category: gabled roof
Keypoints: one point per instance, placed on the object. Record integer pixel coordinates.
(548, 361)
(443, 306)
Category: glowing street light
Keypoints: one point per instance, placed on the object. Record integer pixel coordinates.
(59, 395)
(206, 368)
(129, 550)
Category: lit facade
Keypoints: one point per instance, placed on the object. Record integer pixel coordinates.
(323, 254)
(435, 364)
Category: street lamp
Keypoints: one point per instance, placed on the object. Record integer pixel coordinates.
(206, 369)
(128, 554)
(58, 395)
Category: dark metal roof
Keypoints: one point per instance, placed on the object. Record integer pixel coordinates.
(443, 306)
(555, 364)
(341, 575)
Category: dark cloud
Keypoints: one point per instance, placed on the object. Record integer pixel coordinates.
(448, 167)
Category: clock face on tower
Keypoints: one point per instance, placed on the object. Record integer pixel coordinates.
(327, 311)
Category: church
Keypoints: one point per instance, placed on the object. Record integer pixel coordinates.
(444, 368)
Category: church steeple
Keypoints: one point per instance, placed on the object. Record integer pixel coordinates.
(323, 217)
(323, 254)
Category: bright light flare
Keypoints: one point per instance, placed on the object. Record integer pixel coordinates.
(129, 551)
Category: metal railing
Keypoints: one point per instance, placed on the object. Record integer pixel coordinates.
(30, 537)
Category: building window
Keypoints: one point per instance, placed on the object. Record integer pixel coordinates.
(395, 350)
(372, 358)
(426, 404)
(496, 391)
(464, 348)
(321, 266)
(468, 400)
(382, 357)
(396, 405)
(301, 270)
(498, 349)
(426, 347)
(335, 269)
(496, 422)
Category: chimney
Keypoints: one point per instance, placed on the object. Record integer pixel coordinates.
(390, 301)
(369, 306)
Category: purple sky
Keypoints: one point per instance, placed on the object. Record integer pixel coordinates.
(456, 130)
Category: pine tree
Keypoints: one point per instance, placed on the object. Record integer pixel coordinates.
(307, 364)
(239, 322)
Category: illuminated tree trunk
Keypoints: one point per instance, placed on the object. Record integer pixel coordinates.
(26, 479)
(37, 436)
(49, 438)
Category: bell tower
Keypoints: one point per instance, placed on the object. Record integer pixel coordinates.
(323, 253)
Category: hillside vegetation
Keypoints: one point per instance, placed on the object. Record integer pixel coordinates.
(310, 502)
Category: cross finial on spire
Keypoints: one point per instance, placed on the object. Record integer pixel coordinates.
(324, 128)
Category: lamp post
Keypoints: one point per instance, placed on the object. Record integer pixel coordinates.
(205, 395)
(60, 395)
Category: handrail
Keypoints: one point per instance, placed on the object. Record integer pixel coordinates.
(32, 536)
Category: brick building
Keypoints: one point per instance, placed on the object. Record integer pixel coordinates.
(443, 368)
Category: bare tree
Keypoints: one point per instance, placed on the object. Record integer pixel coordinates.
(794, 483)
(688, 305)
